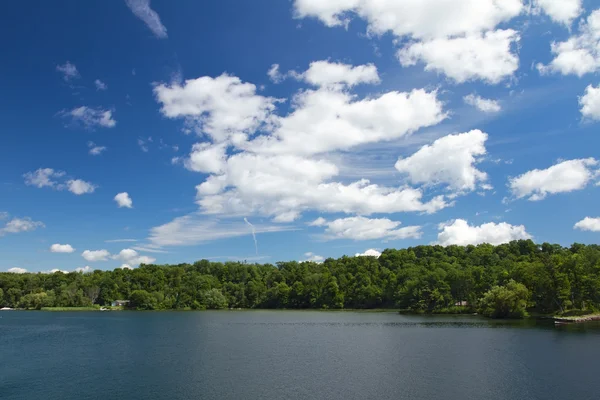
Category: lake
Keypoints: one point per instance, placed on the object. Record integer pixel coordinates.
(292, 355)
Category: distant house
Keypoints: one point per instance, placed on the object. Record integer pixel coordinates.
(461, 303)
(120, 303)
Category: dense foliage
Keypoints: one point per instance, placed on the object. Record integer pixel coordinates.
(499, 281)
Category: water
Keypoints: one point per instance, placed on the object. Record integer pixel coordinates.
(291, 355)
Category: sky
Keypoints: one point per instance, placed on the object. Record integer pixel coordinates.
(142, 131)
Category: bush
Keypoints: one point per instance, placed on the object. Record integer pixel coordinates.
(509, 301)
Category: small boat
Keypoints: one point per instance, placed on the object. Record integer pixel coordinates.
(5, 309)
(104, 309)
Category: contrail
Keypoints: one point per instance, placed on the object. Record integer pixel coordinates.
(253, 234)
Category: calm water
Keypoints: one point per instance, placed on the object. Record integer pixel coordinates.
(291, 355)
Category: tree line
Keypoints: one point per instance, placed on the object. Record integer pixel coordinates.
(507, 280)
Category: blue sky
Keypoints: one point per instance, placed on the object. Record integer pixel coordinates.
(151, 132)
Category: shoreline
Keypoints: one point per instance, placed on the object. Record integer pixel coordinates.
(577, 320)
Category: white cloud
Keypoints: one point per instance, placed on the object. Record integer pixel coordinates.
(369, 253)
(590, 103)
(194, 229)
(79, 187)
(69, 71)
(207, 158)
(420, 19)
(61, 248)
(485, 56)
(274, 75)
(17, 270)
(562, 11)
(95, 150)
(330, 74)
(100, 85)
(563, 177)
(18, 225)
(485, 105)
(125, 266)
(588, 224)
(95, 255)
(312, 257)
(123, 200)
(324, 120)
(43, 177)
(459, 232)
(84, 270)
(361, 228)
(580, 54)
(55, 270)
(219, 107)
(132, 257)
(142, 10)
(120, 240)
(90, 117)
(284, 186)
(433, 165)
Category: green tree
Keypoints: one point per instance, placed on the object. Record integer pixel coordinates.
(509, 301)
(214, 299)
(142, 300)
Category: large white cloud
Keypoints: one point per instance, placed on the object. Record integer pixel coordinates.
(562, 11)
(449, 160)
(563, 177)
(580, 54)
(361, 228)
(325, 73)
(369, 253)
(219, 107)
(588, 224)
(422, 19)
(480, 56)
(17, 270)
(96, 255)
(124, 200)
(207, 158)
(590, 103)
(142, 10)
(61, 248)
(461, 233)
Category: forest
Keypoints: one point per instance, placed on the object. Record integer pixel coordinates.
(508, 280)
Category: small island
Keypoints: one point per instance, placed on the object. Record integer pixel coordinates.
(512, 280)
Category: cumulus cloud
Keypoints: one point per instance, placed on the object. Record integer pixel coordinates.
(61, 248)
(369, 253)
(17, 270)
(69, 71)
(456, 38)
(207, 158)
(142, 10)
(485, 105)
(588, 224)
(219, 107)
(125, 266)
(95, 255)
(18, 225)
(100, 85)
(132, 257)
(79, 187)
(123, 200)
(361, 228)
(331, 74)
(563, 177)
(432, 164)
(84, 270)
(312, 257)
(561, 11)
(43, 177)
(487, 57)
(95, 150)
(90, 118)
(590, 103)
(579, 54)
(459, 232)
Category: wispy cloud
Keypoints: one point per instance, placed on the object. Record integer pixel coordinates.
(142, 10)
(90, 118)
(69, 71)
